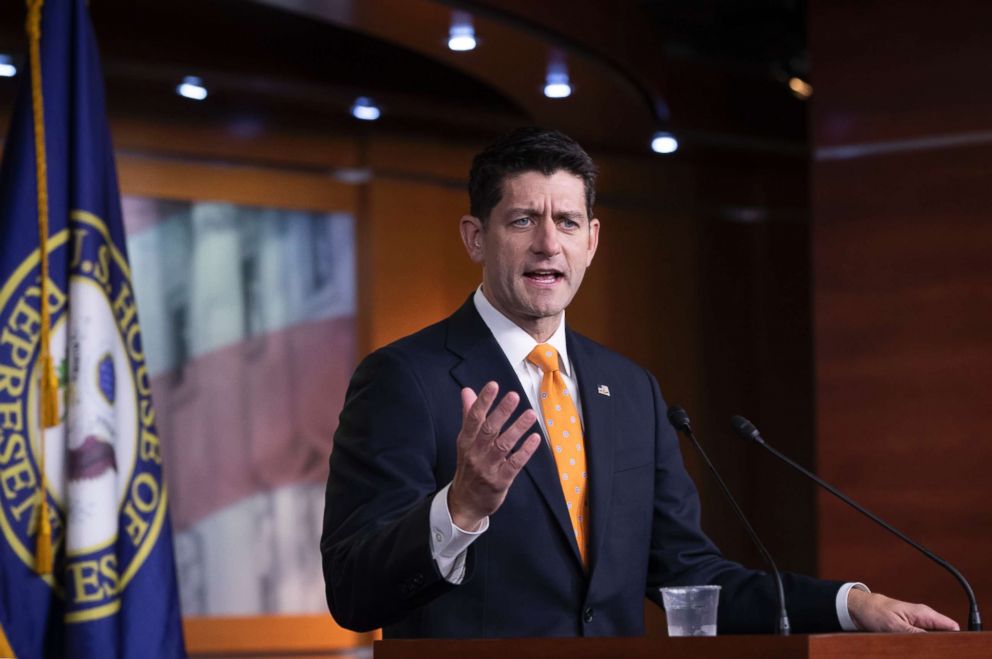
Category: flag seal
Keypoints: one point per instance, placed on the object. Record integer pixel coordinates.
(103, 459)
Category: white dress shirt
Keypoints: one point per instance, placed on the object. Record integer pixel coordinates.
(449, 543)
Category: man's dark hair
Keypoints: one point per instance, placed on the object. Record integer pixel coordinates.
(528, 149)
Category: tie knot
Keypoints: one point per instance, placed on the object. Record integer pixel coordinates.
(544, 357)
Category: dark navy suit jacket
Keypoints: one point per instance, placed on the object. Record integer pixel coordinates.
(395, 448)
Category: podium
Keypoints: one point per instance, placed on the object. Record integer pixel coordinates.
(960, 645)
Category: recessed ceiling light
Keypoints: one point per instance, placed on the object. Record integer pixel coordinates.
(192, 87)
(7, 68)
(664, 142)
(365, 109)
(556, 82)
(461, 36)
(557, 86)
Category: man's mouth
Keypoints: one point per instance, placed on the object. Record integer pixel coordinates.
(546, 277)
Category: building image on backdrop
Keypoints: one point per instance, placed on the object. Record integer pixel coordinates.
(249, 327)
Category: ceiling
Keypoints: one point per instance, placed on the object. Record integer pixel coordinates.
(760, 38)
(711, 70)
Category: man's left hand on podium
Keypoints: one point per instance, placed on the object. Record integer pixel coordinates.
(873, 612)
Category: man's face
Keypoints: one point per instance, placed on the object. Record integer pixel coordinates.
(534, 248)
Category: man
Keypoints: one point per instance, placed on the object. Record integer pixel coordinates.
(527, 510)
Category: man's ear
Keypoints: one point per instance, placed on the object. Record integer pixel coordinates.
(593, 241)
(473, 237)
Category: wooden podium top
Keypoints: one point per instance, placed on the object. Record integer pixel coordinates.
(960, 645)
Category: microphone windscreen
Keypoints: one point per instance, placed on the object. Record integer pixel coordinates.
(744, 428)
(679, 418)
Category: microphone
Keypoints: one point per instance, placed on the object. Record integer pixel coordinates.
(746, 430)
(680, 421)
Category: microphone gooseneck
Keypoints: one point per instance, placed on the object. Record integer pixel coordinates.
(749, 432)
(680, 421)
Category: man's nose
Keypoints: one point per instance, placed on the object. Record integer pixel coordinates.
(546, 238)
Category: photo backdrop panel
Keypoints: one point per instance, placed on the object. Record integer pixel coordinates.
(248, 316)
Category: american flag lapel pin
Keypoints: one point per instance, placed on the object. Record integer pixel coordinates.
(603, 390)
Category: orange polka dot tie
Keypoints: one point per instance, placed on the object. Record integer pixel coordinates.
(565, 436)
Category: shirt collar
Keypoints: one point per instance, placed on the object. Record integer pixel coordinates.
(514, 341)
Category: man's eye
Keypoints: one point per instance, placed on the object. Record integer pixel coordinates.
(569, 224)
(521, 222)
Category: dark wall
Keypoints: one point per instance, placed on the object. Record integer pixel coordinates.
(902, 281)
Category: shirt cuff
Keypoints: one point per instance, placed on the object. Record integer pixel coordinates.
(843, 614)
(449, 543)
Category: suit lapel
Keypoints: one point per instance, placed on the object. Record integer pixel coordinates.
(482, 360)
(597, 413)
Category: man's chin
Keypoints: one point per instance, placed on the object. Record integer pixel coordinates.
(544, 310)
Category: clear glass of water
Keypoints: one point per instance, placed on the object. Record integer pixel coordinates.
(691, 610)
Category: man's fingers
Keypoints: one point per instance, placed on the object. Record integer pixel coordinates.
(505, 442)
(524, 453)
(468, 397)
(494, 422)
(899, 625)
(475, 412)
(924, 617)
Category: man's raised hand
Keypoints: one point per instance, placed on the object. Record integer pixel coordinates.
(485, 468)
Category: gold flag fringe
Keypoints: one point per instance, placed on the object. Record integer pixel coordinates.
(49, 382)
(5, 649)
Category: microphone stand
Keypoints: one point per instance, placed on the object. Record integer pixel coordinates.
(747, 430)
(680, 420)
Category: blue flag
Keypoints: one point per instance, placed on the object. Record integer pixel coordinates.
(112, 591)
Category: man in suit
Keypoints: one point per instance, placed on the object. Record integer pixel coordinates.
(541, 512)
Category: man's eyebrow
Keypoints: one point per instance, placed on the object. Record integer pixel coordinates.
(524, 210)
(530, 211)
